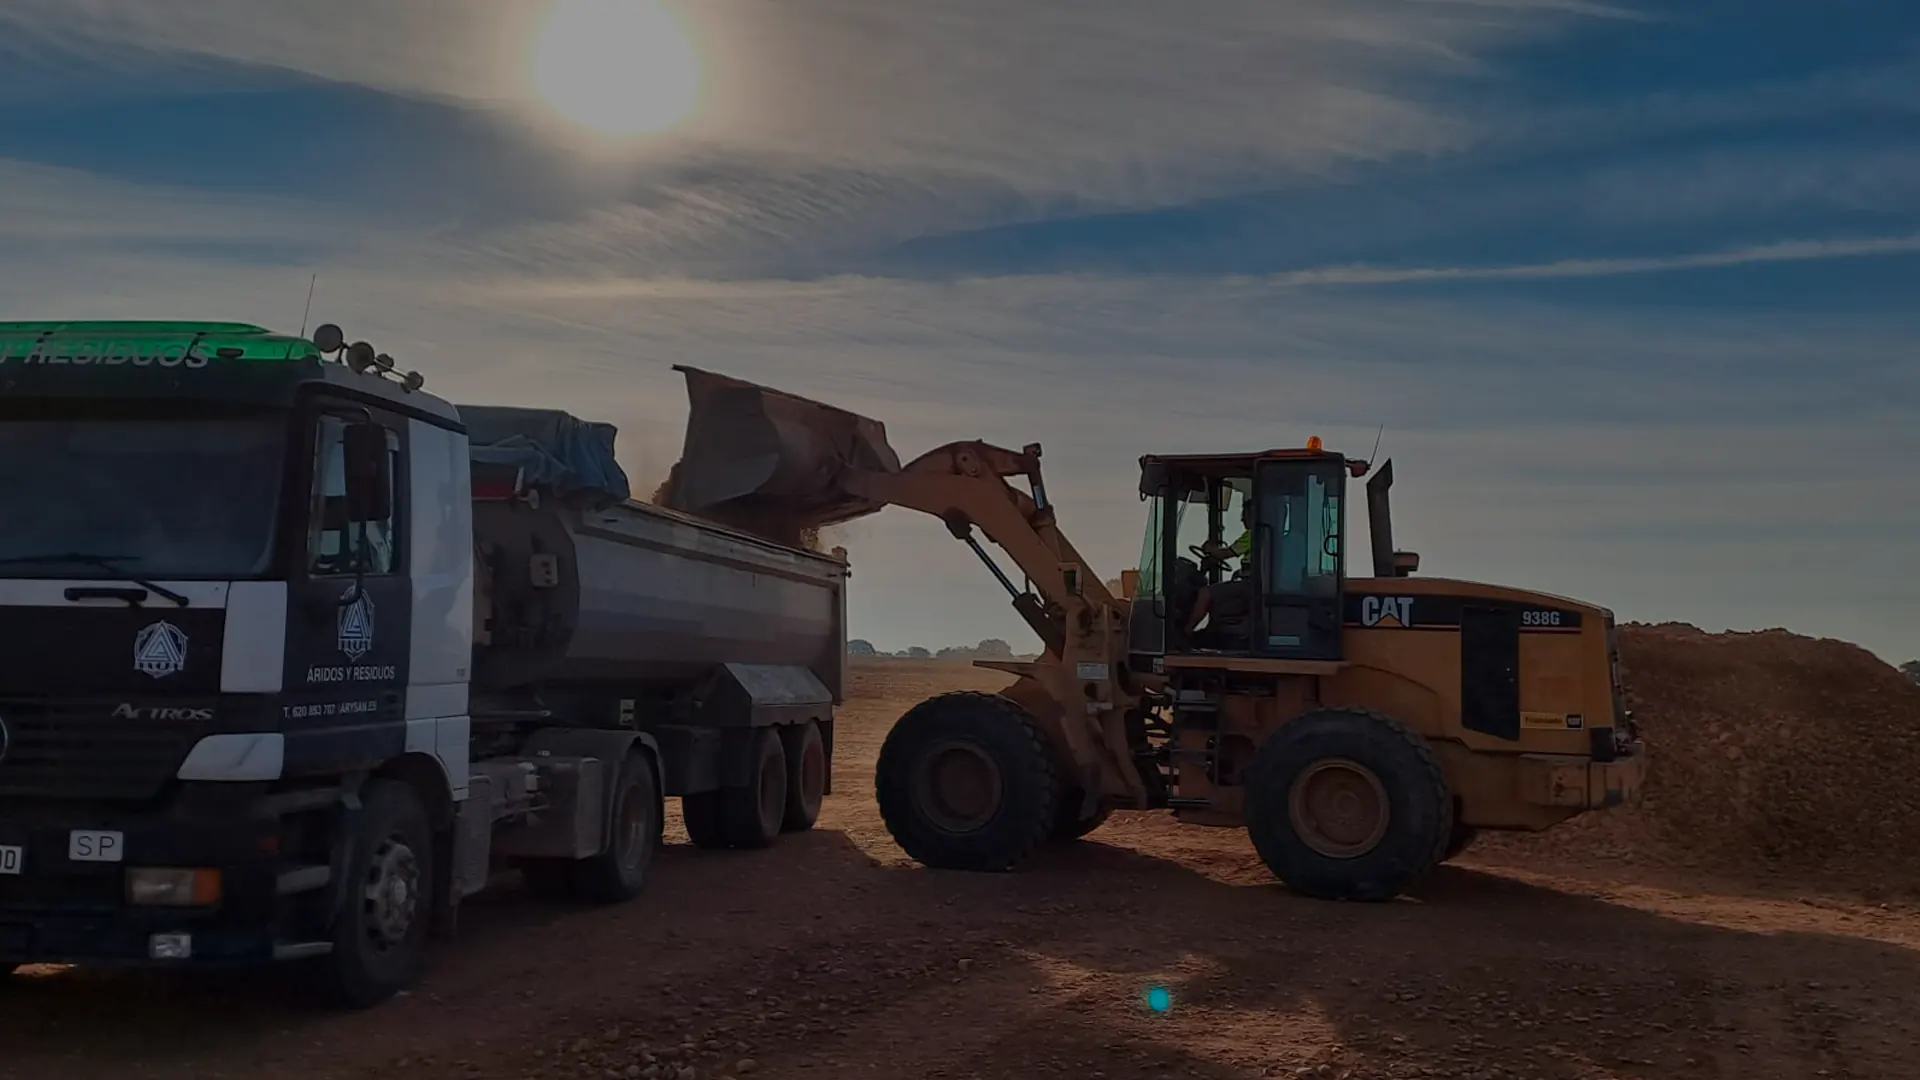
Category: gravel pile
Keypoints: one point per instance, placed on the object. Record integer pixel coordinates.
(1774, 755)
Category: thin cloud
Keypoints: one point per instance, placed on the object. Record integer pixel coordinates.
(1002, 89)
(1785, 251)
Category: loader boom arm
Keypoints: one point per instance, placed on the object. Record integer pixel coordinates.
(779, 464)
(966, 485)
(1076, 689)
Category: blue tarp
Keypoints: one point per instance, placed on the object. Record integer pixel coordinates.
(556, 451)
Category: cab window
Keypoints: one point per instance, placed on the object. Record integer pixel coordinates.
(334, 542)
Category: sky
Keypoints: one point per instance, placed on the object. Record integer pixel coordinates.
(1625, 290)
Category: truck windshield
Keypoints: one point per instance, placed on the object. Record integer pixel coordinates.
(98, 496)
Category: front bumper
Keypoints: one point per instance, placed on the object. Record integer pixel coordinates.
(64, 911)
(1581, 783)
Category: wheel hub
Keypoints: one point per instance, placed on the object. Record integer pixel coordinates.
(958, 787)
(1339, 808)
(392, 892)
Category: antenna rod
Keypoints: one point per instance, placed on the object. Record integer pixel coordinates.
(311, 282)
(1375, 456)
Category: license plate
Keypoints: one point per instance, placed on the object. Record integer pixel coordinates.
(12, 860)
(84, 845)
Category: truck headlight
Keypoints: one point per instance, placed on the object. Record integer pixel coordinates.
(165, 887)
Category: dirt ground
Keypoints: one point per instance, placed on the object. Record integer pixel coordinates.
(829, 955)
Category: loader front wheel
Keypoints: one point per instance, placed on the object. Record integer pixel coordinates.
(1348, 804)
(1068, 825)
(1462, 839)
(965, 782)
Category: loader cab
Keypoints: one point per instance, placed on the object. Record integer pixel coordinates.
(1243, 556)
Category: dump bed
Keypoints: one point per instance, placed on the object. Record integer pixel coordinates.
(581, 584)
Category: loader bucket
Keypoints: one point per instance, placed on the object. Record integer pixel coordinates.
(767, 461)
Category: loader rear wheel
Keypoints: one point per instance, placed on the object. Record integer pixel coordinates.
(806, 775)
(1348, 804)
(965, 782)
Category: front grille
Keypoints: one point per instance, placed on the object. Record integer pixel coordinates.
(72, 750)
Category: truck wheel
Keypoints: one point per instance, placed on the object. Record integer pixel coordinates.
(705, 826)
(1347, 804)
(1069, 826)
(380, 933)
(965, 782)
(806, 753)
(751, 816)
(620, 873)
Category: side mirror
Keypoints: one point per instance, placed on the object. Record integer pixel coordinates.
(369, 483)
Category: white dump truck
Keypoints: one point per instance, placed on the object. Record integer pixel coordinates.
(297, 655)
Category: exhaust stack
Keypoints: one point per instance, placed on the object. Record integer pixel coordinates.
(770, 462)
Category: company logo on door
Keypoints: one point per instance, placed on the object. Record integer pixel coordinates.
(160, 649)
(1386, 612)
(355, 639)
(356, 624)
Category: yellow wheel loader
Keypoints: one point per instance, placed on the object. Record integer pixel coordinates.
(1362, 729)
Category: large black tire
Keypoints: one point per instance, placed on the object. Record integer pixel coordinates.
(806, 753)
(1068, 825)
(965, 783)
(743, 817)
(620, 873)
(1363, 762)
(705, 827)
(380, 931)
(752, 815)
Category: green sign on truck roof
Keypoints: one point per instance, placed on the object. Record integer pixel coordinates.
(147, 344)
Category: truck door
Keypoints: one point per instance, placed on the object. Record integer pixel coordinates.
(1299, 525)
(349, 618)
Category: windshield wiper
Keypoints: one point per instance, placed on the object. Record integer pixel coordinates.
(109, 563)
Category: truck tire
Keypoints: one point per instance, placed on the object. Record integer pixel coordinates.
(752, 815)
(743, 817)
(380, 932)
(620, 873)
(705, 827)
(965, 782)
(1347, 804)
(806, 753)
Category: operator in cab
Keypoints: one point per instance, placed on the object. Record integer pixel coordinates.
(1231, 601)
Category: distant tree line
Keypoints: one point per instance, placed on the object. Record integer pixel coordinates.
(1911, 669)
(988, 649)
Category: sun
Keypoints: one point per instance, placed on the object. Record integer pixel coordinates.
(621, 69)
